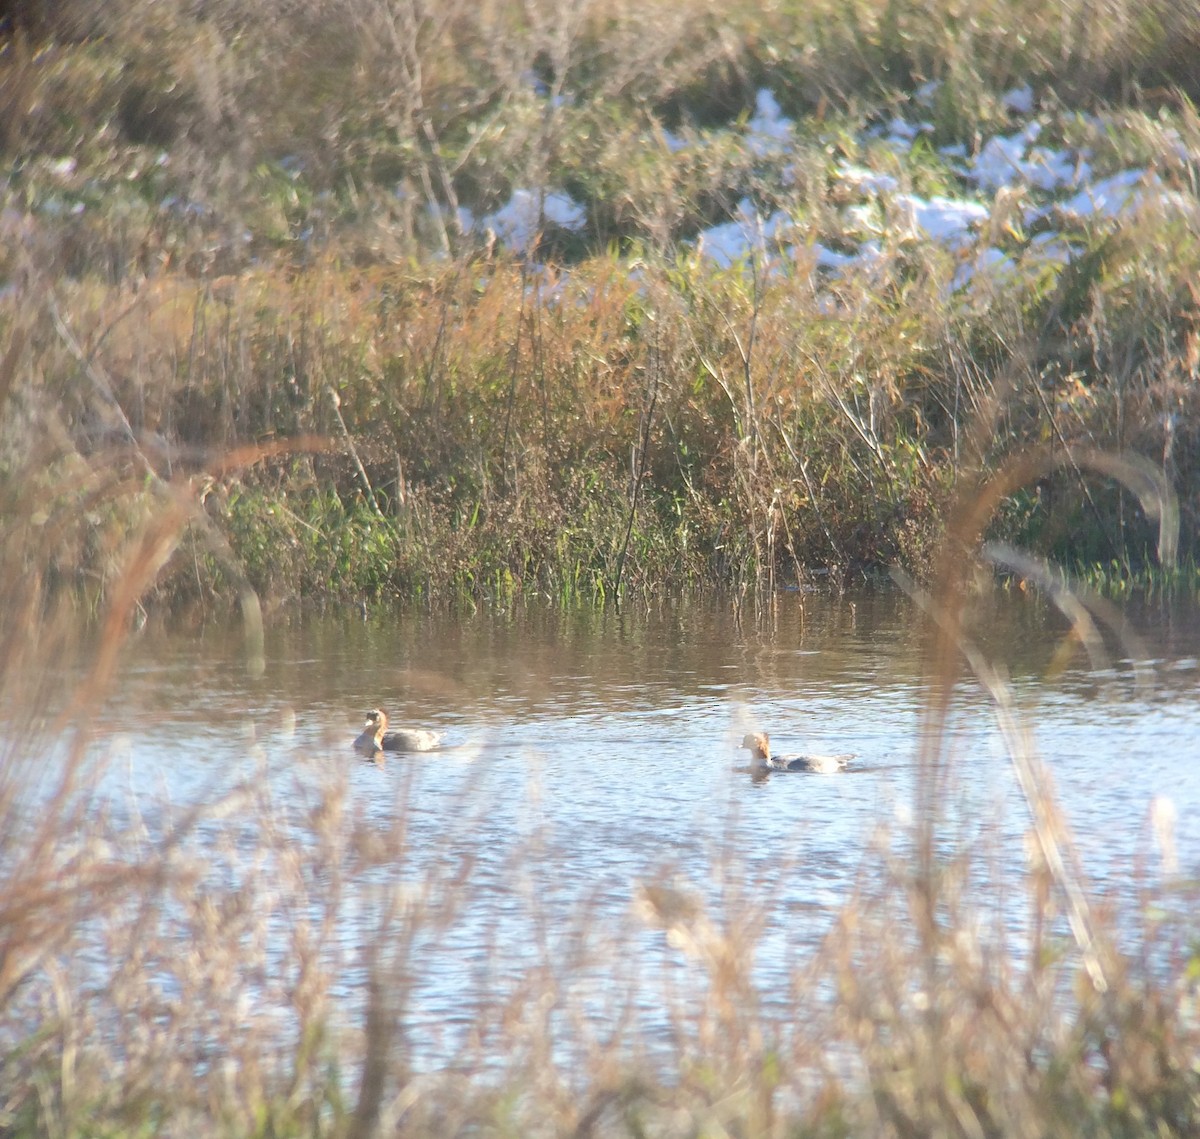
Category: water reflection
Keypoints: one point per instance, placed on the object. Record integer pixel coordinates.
(590, 757)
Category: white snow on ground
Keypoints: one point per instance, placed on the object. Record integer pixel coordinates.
(768, 128)
(519, 221)
(900, 133)
(1050, 248)
(1008, 159)
(862, 219)
(747, 232)
(1019, 101)
(867, 255)
(989, 266)
(949, 220)
(867, 181)
(1056, 186)
(1125, 192)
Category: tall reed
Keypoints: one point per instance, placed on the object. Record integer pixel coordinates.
(248, 379)
(187, 972)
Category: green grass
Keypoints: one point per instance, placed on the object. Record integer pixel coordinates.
(1143, 578)
(918, 1014)
(242, 357)
(355, 399)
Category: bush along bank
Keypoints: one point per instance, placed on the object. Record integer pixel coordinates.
(740, 348)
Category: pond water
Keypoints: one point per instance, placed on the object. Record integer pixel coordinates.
(590, 755)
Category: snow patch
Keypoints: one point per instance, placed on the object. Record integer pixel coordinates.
(949, 220)
(523, 217)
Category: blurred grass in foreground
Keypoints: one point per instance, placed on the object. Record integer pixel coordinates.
(182, 973)
(232, 374)
(237, 225)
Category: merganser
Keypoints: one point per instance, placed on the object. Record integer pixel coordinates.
(761, 759)
(375, 736)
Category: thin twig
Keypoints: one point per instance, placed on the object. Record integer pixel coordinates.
(1034, 782)
(336, 401)
(647, 419)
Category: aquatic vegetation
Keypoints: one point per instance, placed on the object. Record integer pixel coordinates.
(489, 303)
(651, 298)
(255, 964)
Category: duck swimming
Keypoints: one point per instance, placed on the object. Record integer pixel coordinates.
(761, 759)
(376, 737)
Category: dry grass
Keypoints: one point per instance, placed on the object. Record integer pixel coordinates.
(231, 225)
(178, 973)
(223, 377)
(482, 428)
